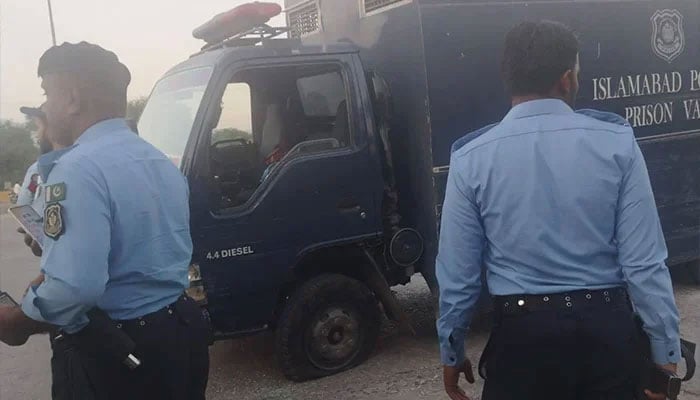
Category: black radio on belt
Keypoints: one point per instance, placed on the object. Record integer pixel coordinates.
(102, 336)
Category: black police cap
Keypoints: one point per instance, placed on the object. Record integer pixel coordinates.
(32, 112)
(84, 58)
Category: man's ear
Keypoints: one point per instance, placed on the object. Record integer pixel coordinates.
(565, 84)
(74, 101)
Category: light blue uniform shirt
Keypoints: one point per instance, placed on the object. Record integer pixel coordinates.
(126, 245)
(551, 201)
(25, 197)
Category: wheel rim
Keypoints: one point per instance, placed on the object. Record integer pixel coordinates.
(334, 338)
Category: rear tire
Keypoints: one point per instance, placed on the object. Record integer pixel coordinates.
(330, 324)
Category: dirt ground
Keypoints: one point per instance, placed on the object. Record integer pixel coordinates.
(403, 366)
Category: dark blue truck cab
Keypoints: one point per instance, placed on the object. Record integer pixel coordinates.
(317, 163)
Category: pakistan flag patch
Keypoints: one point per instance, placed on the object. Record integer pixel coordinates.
(55, 193)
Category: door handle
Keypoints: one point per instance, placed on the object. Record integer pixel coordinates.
(350, 208)
(349, 205)
(353, 209)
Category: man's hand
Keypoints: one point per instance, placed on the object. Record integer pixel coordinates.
(30, 242)
(660, 396)
(450, 376)
(9, 332)
(16, 327)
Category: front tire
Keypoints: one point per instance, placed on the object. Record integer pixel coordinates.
(330, 324)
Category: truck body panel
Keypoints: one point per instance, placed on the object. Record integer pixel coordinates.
(442, 60)
(339, 168)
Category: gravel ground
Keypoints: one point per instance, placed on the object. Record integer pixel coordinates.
(403, 366)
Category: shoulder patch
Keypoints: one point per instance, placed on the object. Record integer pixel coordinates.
(461, 142)
(53, 221)
(55, 193)
(604, 116)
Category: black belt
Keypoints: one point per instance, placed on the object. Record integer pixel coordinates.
(155, 317)
(518, 304)
(142, 322)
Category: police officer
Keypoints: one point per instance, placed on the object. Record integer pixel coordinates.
(34, 196)
(31, 184)
(558, 206)
(123, 251)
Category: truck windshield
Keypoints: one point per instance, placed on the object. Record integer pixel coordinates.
(168, 117)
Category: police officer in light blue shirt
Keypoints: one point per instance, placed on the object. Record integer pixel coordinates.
(116, 220)
(558, 207)
(31, 192)
(31, 185)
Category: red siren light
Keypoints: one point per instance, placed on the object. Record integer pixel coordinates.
(237, 20)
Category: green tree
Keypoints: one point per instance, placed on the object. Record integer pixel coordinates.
(17, 151)
(135, 107)
(220, 135)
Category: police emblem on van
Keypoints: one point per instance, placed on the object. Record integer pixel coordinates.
(667, 38)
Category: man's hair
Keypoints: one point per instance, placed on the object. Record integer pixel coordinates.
(536, 55)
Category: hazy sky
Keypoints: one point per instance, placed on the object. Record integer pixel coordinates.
(149, 36)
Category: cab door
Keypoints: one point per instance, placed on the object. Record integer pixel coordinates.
(288, 169)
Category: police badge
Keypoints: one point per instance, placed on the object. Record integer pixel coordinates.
(667, 38)
(53, 221)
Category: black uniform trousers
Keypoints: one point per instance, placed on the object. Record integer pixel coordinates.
(585, 353)
(172, 345)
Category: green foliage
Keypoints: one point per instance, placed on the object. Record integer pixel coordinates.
(135, 107)
(17, 151)
(220, 135)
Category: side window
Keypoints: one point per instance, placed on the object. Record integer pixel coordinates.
(321, 94)
(325, 107)
(269, 116)
(233, 156)
(235, 122)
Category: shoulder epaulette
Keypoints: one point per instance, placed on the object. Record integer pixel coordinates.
(459, 143)
(604, 116)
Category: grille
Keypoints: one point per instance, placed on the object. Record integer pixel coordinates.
(373, 5)
(304, 20)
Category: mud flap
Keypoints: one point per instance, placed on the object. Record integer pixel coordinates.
(378, 284)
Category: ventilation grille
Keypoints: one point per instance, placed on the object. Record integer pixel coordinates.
(374, 5)
(304, 20)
